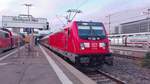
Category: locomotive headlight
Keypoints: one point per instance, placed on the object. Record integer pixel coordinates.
(102, 44)
(98, 38)
(82, 47)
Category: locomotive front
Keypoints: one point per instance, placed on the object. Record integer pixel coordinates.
(93, 44)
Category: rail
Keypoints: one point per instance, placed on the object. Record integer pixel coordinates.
(117, 80)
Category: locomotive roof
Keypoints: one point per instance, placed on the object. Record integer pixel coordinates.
(15, 34)
(3, 31)
(46, 36)
(87, 22)
(78, 22)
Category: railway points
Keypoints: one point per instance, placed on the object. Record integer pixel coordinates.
(34, 68)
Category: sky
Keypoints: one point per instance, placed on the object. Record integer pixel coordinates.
(55, 10)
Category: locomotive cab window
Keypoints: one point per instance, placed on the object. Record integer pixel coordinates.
(1, 34)
(91, 30)
(6, 35)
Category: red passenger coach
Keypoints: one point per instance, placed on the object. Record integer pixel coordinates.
(5, 41)
(84, 43)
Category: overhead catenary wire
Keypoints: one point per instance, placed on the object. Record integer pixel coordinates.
(60, 20)
(69, 16)
(75, 11)
(82, 4)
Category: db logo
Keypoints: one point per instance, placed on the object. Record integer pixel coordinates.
(94, 44)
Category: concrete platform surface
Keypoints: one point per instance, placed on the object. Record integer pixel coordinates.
(23, 67)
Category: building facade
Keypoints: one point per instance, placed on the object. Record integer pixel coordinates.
(138, 26)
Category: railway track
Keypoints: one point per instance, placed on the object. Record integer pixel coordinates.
(102, 77)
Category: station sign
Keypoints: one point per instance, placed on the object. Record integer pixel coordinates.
(24, 21)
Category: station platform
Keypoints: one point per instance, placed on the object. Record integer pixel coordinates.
(129, 48)
(38, 66)
(129, 51)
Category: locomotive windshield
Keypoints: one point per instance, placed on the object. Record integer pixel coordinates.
(91, 31)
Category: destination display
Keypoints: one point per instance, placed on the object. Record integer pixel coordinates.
(24, 21)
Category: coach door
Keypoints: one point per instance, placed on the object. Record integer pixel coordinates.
(124, 39)
(67, 33)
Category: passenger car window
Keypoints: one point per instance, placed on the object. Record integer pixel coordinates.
(1, 34)
(6, 35)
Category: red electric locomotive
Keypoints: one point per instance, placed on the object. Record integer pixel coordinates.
(84, 43)
(9, 39)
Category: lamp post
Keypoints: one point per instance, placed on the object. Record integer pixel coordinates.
(109, 22)
(28, 7)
